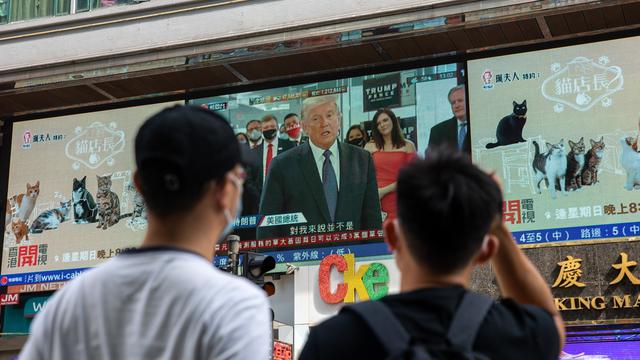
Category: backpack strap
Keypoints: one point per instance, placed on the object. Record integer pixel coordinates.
(467, 320)
(387, 329)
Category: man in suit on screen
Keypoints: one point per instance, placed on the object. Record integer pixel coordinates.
(326, 180)
(453, 132)
(269, 149)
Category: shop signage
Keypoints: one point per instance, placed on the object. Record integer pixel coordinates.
(34, 306)
(368, 281)
(29, 288)
(570, 272)
(9, 299)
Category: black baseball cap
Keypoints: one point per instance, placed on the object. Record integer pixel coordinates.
(179, 150)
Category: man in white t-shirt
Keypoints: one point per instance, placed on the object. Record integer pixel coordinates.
(165, 300)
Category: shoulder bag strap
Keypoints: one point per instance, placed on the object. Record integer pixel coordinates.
(467, 320)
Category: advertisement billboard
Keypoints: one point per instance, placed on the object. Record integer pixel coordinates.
(71, 201)
(562, 133)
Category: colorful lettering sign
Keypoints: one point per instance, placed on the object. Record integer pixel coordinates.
(369, 281)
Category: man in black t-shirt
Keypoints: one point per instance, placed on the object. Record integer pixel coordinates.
(449, 221)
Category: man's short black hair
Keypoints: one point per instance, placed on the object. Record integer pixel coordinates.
(252, 121)
(179, 151)
(290, 115)
(446, 206)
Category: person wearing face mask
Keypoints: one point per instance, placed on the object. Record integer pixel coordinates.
(178, 306)
(270, 148)
(356, 136)
(390, 152)
(294, 129)
(254, 132)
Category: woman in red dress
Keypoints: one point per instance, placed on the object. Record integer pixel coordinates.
(390, 151)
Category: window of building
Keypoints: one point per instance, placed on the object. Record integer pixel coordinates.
(21, 10)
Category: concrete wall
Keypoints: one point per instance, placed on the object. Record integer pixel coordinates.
(163, 29)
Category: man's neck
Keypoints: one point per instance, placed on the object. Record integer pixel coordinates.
(462, 120)
(321, 147)
(182, 235)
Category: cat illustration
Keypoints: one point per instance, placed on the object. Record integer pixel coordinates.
(108, 203)
(592, 161)
(51, 219)
(23, 204)
(20, 230)
(550, 166)
(85, 209)
(630, 161)
(509, 130)
(575, 163)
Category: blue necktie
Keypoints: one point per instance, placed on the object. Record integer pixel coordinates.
(330, 184)
(462, 134)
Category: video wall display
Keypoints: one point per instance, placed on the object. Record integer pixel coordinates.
(71, 200)
(297, 193)
(561, 127)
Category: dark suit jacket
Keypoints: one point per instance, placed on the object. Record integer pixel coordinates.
(294, 185)
(256, 160)
(303, 140)
(446, 133)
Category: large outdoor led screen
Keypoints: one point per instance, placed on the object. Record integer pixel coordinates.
(560, 127)
(53, 224)
(286, 200)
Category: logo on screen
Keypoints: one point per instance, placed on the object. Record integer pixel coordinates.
(487, 80)
(582, 83)
(95, 145)
(26, 140)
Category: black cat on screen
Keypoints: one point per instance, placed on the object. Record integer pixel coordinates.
(509, 130)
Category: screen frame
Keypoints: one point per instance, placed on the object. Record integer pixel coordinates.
(390, 66)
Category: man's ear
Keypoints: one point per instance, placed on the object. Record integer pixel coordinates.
(218, 195)
(391, 234)
(229, 191)
(489, 247)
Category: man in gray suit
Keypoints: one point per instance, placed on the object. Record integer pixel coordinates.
(327, 181)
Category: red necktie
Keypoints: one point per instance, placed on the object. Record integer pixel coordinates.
(269, 157)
